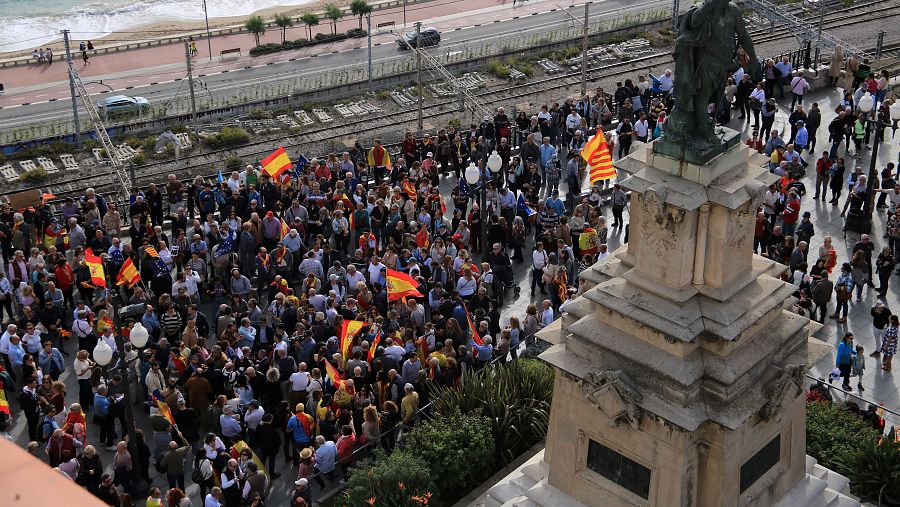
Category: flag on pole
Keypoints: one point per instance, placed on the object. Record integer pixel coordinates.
(300, 166)
(374, 345)
(475, 336)
(596, 154)
(240, 446)
(276, 163)
(284, 229)
(151, 252)
(128, 275)
(336, 379)
(163, 407)
(401, 285)
(95, 265)
(349, 329)
(410, 189)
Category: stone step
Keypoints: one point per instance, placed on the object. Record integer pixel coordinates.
(524, 482)
(521, 501)
(804, 492)
(835, 481)
(504, 492)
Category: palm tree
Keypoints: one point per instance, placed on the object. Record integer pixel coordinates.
(310, 19)
(284, 21)
(360, 8)
(256, 26)
(334, 13)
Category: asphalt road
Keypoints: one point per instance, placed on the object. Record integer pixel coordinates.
(307, 61)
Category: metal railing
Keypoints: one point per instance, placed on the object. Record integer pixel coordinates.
(840, 395)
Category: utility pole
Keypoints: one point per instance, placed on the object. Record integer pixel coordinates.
(584, 49)
(187, 57)
(404, 13)
(208, 37)
(72, 89)
(879, 44)
(419, 92)
(369, 23)
(676, 6)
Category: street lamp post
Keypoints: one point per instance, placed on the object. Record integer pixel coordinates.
(473, 177)
(103, 355)
(866, 104)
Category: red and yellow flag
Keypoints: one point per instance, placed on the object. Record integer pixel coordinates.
(374, 345)
(164, 410)
(401, 285)
(4, 405)
(349, 329)
(475, 336)
(276, 163)
(336, 378)
(151, 252)
(410, 189)
(284, 229)
(422, 348)
(95, 264)
(597, 155)
(128, 275)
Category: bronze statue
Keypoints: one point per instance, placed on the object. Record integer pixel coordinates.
(706, 51)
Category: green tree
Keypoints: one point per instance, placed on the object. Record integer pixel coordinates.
(334, 13)
(284, 22)
(256, 26)
(310, 20)
(360, 8)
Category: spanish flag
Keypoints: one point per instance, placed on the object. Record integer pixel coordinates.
(475, 336)
(336, 379)
(423, 239)
(349, 330)
(401, 285)
(4, 405)
(596, 154)
(284, 229)
(410, 189)
(240, 446)
(422, 348)
(128, 275)
(374, 345)
(276, 163)
(95, 264)
(162, 406)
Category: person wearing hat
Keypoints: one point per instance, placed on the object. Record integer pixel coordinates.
(301, 491)
(805, 229)
(268, 440)
(300, 427)
(409, 406)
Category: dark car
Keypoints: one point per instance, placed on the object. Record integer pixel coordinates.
(429, 37)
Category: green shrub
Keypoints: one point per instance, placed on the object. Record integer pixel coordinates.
(833, 431)
(497, 69)
(515, 397)
(355, 33)
(874, 470)
(390, 479)
(266, 48)
(259, 114)
(229, 137)
(43, 150)
(457, 448)
(60, 147)
(178, 128)
(34, 176)
(138, 159)
(234, 163)
(149, 145)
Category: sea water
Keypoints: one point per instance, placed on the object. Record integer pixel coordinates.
(29, 24)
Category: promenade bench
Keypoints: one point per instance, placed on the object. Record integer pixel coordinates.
(235, 52)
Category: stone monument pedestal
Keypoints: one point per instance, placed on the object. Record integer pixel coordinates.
(679, 373)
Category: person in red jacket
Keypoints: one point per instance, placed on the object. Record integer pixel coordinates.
(345, 446)
(65, 281)
(61, 447)
(791, 214)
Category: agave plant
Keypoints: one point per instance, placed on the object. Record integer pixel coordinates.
(515, 398)
(874, 471)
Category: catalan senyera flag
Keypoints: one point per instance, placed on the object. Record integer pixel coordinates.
(336, 378)
(374, 345)
(284, 229)
(95, 265)
(4, 405)
(410, 189)
(597, 155)
(475, 336)
(276, 163)
(349, 329)
(128, 275)
(151, 252)
(401, 285)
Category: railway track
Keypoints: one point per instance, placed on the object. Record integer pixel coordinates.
(207, 164)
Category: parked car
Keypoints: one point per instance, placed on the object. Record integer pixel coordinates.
(123, 104)
(429, 37)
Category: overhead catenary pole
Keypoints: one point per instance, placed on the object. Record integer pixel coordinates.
(369, 23)
(676, 6)
(584, 49)
(404, 13)
(208, 37)
(419, 90)
(187, 57)
(72, 89)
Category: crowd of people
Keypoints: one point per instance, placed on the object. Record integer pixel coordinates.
(248, 287)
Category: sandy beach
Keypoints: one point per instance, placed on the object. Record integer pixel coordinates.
(172, 28)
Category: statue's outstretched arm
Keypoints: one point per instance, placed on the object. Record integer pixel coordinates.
(743, 38)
